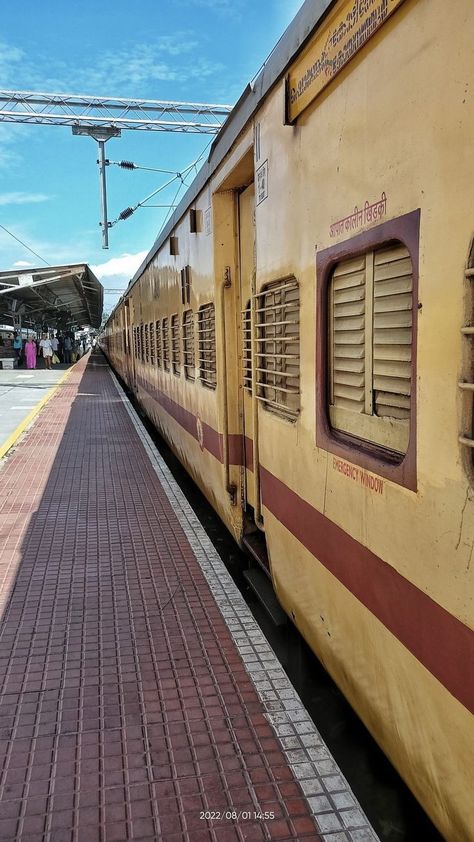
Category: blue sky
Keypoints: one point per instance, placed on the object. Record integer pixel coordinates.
(191, 50)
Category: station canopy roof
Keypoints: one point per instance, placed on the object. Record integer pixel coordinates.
(56, 296)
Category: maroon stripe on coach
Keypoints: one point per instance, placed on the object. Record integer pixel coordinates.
(212, 439)
(441, 642)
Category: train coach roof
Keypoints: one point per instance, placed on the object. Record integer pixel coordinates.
(292, 41)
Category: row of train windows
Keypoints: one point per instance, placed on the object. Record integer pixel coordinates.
(169, 345)
(369, 346)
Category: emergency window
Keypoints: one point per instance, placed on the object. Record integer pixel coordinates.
(278, 348)
(370, 346)
(188, 345)
(207, 346)
(175, 349)
(166, 345)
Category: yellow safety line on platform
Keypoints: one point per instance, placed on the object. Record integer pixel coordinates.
(13, 438)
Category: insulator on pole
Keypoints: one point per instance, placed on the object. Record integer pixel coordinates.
(128, 165)
(126, 213)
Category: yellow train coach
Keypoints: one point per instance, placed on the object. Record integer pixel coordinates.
(302, 335)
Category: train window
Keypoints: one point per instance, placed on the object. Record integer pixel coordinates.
(370, 346)
(135, 342)
(174, 245)
(166, 345)
(175, 349)
(142, 343)
(159, 357)
(188, 345)
(195, 221)
(278, 348)
(207, 346)
(186, 285)
(247, 349)
(152, 343)
(147, 344)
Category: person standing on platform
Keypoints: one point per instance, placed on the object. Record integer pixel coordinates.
(30, 352)
(67, 349)
(55, 346)
(47, 349)
(17, 346)
(60, 347)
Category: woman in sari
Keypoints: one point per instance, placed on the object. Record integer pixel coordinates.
(30, 351)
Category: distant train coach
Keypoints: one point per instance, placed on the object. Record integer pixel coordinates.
(302, 333)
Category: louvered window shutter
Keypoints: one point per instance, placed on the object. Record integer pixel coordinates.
(370, 346)
(393, 285)
(348, 335)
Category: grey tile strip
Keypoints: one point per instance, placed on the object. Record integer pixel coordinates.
(337, 813)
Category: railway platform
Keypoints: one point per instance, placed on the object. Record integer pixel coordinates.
(138, 698)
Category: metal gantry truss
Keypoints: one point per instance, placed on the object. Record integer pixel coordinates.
(134, 114)
(104, 117)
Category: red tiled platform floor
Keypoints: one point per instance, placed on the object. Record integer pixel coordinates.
(125, 710)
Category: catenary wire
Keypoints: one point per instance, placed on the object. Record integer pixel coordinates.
(24, 244)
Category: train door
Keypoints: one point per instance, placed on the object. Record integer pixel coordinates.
(254, 536)
(130, 345)
(247, 273)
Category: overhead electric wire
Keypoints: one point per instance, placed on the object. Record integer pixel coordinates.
(127, 212)
(169, 212)
(130, 165)
(25, 245)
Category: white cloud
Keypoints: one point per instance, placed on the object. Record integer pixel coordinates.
(124, 266)
(22, 264)
(10, 58)
(19, 198)
(115, 274)
(144, 63)
(56, 253)
(225, 8)
(11, 136)
(164, 58)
